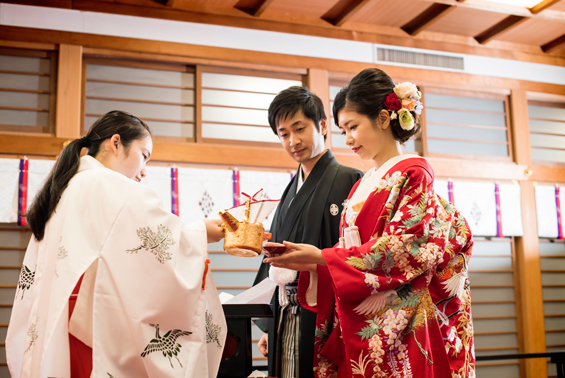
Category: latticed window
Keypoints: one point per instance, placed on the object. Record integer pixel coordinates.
(27, 91)
(235, 104)
(160, 94)
(466, 124)
(547, 131)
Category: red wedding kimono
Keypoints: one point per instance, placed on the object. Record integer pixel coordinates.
(398, 304)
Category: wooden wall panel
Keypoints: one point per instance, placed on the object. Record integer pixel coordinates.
(531, 324)
(318, 82)
(69, 92)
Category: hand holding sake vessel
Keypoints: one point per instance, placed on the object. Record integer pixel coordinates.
(244, 238)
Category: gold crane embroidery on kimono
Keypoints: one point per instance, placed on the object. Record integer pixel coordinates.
(32, 335)
(212, 330)
(60, 256)
(167, 344)
(158, 243)
(27, 277)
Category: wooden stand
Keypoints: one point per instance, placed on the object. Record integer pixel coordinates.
(237, 359)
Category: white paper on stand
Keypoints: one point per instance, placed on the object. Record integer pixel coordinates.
(224, 297)
(257, 373)
(261, 293)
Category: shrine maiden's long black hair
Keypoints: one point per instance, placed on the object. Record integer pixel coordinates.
(366, 94)
(128, 126)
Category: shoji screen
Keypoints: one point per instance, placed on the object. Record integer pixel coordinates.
(414, 145)
(235, 104)
(466, 124)
(552, 254)
(14, 240)
(493, 305)
(547, 131)
(161, 95)
(27, 91)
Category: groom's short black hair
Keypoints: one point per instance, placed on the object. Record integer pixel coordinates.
(291, 101)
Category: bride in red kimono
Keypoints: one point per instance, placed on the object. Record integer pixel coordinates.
(392, 298)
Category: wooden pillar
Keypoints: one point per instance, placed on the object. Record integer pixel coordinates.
(531, 326)
(69, 92)
(319, 83)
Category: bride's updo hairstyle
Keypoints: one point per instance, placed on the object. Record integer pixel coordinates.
(371, 91)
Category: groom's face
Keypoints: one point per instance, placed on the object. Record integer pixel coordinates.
(300, 137)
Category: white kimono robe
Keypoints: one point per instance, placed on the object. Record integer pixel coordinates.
(141, 306)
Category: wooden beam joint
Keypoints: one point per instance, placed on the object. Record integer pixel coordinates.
(504, 25)
(343, 11)
(426, 18)
(543, 5)
(256, 10)
(556, 44)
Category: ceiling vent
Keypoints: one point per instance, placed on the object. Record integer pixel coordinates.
(415, 58)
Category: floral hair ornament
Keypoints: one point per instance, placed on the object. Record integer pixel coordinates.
(404, 99)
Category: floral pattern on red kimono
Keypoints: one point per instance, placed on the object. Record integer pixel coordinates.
(398, 305)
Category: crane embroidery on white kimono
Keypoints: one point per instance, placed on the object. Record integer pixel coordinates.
(27, 277)
(32, 335)
(212, 330)
(167, 344)
(60, 256)
(157, 243)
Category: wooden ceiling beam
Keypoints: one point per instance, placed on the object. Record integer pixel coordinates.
(504, 25)
(556, 44)
(349, 9)
(256, 11)
(426, 18)
(502, 8)
(543, 5)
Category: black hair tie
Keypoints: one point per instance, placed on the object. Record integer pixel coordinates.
(85, 142)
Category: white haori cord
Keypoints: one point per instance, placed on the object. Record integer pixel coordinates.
(282, 277)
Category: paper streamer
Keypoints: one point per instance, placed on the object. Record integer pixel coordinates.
(9, 190)
(175, 191)
(510, 209)
(158, 179)
(476, 201)
(440, 187)
(450, 191)
(37, 174)
(203, 193)
(22, 192)
(559, 219)
(272, 183)
(546, 211)
(499, 232)
(236, 188)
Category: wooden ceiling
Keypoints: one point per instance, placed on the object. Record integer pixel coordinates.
(480, 25)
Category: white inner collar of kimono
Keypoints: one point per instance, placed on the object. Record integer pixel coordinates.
(300, 179)
(89, 162)
(369, 183)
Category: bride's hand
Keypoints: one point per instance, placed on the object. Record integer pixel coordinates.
(298, 257)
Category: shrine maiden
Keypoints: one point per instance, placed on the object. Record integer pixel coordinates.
(111, 284)
(392, 298)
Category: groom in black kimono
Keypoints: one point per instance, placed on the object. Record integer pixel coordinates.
(309, 212)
